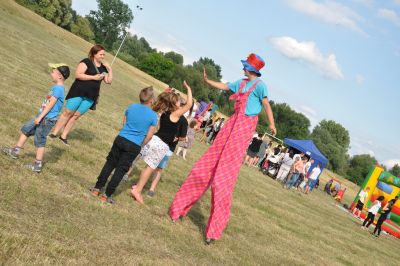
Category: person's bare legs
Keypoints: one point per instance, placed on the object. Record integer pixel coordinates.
(62, 121)
(179, 151)
(70, 124)
(137, 189)
(157, 178)
(40, 154)
(184, 153)
(254, 161)
(21, 141)
(246, 159)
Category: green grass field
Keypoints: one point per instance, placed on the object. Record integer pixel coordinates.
(50, 218)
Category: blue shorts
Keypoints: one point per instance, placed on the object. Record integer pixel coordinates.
(164, 162)
(310, 182)
(39, 131)
(79, 104)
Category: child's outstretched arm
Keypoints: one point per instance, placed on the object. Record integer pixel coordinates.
(46, 110)
(189, 102)
(215, 84)
(270, 115)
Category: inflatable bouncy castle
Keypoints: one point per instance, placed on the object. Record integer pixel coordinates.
(382, 183)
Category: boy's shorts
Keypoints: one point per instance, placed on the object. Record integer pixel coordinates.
(39, 131)
(164, 162)
(360, 205)
(79, 104)
(310, 182)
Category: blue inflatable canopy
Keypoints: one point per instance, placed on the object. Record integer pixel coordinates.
(307, 147)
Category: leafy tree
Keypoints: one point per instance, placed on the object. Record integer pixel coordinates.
(110, 21)
(395, 170)
(213, 70)
(174, 57)
(81, 27)
(333, 140)
(157, 65)
(57, 11)
(359, 167)
(288, 122)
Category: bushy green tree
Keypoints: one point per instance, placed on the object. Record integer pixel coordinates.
(359, 166)
(157, 65)
(174, 57)
(133, 47)
(288, 122)
(110, 21)
(395, 170)
(57, 11)
(81, 27)
(333, 140)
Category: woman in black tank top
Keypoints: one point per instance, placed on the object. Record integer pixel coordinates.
(168, 129)
(84, 92)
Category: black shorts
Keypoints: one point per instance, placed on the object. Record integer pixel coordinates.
(359, 205)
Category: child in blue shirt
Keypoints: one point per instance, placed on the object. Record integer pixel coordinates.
(41, 125)
(140, 123)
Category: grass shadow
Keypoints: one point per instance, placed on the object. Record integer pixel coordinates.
(197, 217)
(82, 134)
(54, 154)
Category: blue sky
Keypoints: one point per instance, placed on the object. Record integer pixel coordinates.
(336, 60)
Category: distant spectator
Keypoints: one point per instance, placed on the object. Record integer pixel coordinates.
(298, 170)
(385, 213)
(262, 152)
(303, 182)
(312, 178)
(361, 201)
(328, 186)
(253, 149)
(185, 145)
(217, 127)
(373, 210)
(287, 162)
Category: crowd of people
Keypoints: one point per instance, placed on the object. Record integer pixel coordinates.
(153, 129)
(288, 166)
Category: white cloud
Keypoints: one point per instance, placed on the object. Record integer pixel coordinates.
(360, 146)
(367, 3)
(391, 162)
(165, 49)
(329, 12)
(310, 113)
(389, 15)
(308, 110)
(308, 52)
(359, 79)
(397, 2)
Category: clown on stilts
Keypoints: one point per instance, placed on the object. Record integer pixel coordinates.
(220, 165)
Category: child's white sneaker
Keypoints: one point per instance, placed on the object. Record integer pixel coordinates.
(10, 152)
(34, 167)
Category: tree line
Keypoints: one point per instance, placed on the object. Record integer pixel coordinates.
(107, 26)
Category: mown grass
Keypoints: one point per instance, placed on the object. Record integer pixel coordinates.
(50, 218)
